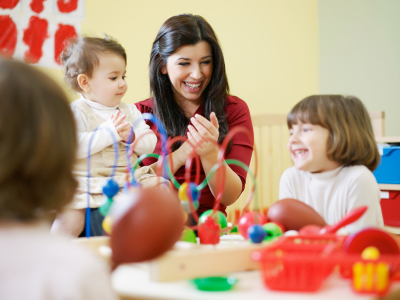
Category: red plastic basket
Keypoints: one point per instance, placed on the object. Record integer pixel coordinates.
(298, 263)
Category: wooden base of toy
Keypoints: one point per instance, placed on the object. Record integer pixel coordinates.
(188, 260)
(192, 261)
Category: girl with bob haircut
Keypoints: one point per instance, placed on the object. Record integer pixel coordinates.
(190, 95)
(334, 152)
(38, 150)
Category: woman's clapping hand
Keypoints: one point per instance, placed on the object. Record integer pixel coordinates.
(202, 132)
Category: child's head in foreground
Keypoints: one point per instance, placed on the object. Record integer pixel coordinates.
(328, 131)
(38, 144)
(96, 68)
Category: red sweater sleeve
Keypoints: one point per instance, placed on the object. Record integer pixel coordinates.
(238, 114)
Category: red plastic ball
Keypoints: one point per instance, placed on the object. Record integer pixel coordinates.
(248, 219)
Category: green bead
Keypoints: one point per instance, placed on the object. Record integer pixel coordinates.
(272, 230)
(188, 235)
(105, 207)
(234, 229)
(218, 217)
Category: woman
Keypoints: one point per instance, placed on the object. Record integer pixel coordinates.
(191, 98)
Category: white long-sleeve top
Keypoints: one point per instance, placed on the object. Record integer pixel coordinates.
(335, 193)
(38, 265)
(102, 137)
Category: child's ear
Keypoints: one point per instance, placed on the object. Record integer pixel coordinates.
(164, 70)
(83, 81)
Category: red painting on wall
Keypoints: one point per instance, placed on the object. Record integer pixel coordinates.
(8, 36)
(35, 30)
(34, 37)
(67, 6)
(63, 33)
(8, 4)
(37, 6)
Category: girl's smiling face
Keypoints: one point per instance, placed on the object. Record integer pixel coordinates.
(307, 146)
(190, 69)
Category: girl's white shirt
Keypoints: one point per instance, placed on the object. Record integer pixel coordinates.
(335, 193)
(102, 137)
(38, 265)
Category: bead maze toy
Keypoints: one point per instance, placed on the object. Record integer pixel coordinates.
(211, 225)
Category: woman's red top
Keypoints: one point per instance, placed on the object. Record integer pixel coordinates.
(237, 114)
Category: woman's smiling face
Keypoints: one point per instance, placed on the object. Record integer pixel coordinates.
(190, 69)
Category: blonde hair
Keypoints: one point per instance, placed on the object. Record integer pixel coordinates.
(351, 140)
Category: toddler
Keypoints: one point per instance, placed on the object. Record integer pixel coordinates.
(96, 69)
(334, 153)
(38, 148)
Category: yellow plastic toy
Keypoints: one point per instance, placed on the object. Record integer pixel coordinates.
(107, 224)
(182, 193)
(370, 253)
(370, 277)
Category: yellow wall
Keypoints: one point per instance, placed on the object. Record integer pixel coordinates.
(270, 46)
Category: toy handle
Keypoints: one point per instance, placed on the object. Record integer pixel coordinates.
(349, 218)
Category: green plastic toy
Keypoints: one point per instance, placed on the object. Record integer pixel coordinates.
(272, 230)
(218, 217)
(234, 230)
(188, 235)
(215, 284)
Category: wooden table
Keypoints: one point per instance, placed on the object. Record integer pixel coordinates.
(132, 282)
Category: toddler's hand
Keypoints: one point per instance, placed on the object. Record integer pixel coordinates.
(123, 128)
(125, 133)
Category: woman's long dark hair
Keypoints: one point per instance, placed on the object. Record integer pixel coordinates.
(178, 31)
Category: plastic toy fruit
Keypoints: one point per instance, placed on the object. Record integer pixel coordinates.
(217, 216)
(272, 231)
(248, 219)
(310, 230)
(188, 235)
(209, 231)
(145, 225)
(294, 214)
(280, 226)
(234, 230)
